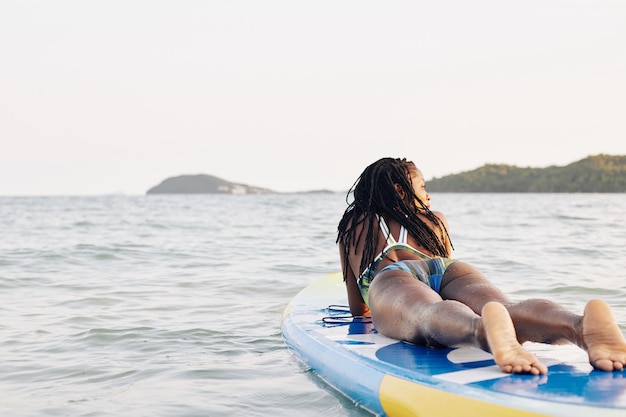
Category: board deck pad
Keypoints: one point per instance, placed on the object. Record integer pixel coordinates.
(394, 378)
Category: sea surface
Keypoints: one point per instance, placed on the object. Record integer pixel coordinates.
(170, 305)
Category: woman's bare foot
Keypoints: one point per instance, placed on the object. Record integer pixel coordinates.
(510, 356)
(602, 338)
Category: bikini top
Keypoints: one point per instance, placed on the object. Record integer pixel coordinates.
(392, 244)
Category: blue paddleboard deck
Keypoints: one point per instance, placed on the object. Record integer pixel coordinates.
(393, 378)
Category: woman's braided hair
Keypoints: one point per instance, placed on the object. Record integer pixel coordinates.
(374, 192)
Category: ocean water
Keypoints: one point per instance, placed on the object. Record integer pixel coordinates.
(170, 305)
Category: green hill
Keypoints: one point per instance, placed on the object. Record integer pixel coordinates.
(594, 174)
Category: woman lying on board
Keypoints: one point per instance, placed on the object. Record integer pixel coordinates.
(395, 255)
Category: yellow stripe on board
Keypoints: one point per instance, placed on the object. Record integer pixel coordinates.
(403, 398)
(286, 312)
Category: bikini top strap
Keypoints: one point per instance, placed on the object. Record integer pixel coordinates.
(404, 235)
(385, 229)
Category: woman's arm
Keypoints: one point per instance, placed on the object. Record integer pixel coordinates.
(355, 300)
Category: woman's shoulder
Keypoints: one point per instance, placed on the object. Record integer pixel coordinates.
(441, 217)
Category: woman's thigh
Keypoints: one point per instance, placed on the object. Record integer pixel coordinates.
(401, 286)
(399, 303)
(465, 283)
(406, 308)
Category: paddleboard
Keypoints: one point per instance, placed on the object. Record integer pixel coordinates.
(393, 378)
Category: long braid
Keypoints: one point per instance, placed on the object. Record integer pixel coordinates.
(374, 193)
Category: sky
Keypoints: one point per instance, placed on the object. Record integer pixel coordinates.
(106, 97)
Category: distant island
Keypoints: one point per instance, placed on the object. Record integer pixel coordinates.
(594, 174)
(204, 184)
(209, 184)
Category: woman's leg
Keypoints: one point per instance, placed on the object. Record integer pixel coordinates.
(544, 321)
(404, 308)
